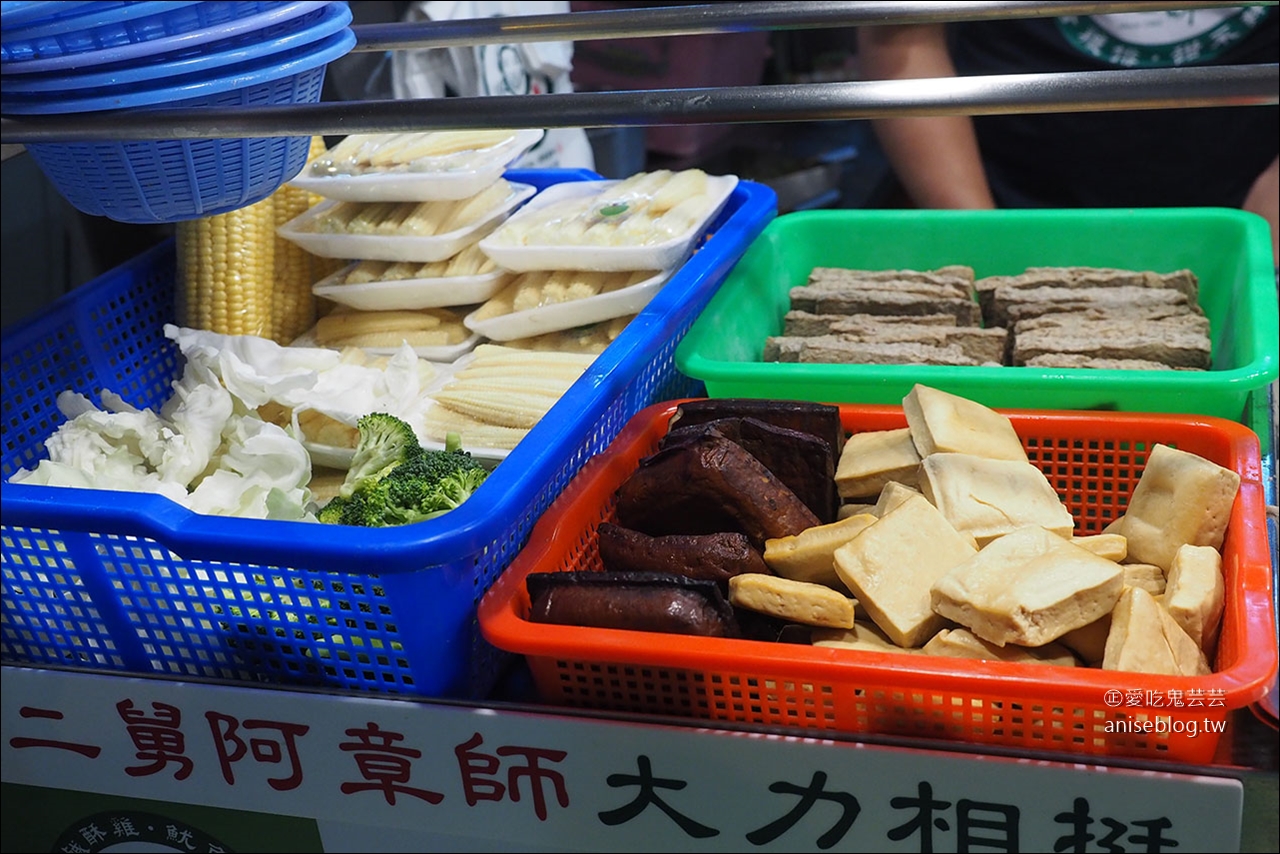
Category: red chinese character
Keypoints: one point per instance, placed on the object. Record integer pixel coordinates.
(268, 750)
(157, 738)
(384, 764)
(18, 742)
(473, 764)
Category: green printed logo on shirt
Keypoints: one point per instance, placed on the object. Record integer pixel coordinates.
(1160, 39)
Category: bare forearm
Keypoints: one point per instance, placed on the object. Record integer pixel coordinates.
(1264, 199)
(936, 158)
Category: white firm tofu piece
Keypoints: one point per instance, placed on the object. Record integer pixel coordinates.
(863, 635)
(1195, 594)
(941, 422)
(798, 601)
(847, 510)
(891, 565)
(989, 498)
(962, 643)
(1111, 546)
(1180, 498)
(1148, 576)
(807, 556)
(1144, 638)
(1089, 643)
(1029, 587)
(892, 495)
(870, 460)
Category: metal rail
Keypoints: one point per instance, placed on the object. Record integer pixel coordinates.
(705, 19)
(1136, 89)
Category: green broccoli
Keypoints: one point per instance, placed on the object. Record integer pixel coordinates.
(399, 481)
(435, 482)
(385, 442)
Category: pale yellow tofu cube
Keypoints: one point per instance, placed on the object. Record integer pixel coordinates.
(870, 460)
(891, 564)
(1144, 638)
(808, 555)
(1195, 595)
(863, 635)
(962, 643)
(988, 498)
(1111, 546)
(941, 422)
(1180, 498)
(797, 601)
(1029, 587)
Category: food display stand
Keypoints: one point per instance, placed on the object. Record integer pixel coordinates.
(94, 759)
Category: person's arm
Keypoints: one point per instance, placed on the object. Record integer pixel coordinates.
(936, 158)
(1264, 199)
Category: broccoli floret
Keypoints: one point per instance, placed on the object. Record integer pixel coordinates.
(402, 482)
(436, 481)
(385, 442)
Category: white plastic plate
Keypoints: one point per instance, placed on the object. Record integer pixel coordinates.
(390, 247)
(432, 179)
(410, 293)
(658, 256)
(567, 315)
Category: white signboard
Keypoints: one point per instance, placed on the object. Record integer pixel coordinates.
(389, 775)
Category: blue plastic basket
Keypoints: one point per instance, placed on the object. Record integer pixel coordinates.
(137, 31)
(131, 582)
(152, 181)
(278, 41)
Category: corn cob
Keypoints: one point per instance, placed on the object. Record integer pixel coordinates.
(293, 307)
(443, 143)
(226, 266)
(440, 421)
(336, 219)
(504, 408)
(432, 270)
(366, 271)
(528, 290)
(469, 211)
(428, 218)
(497, 354)
(401, 270)
(470, 262)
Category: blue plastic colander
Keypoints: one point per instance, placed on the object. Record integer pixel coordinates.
(154, 181)
(69, 45)
(278, 41)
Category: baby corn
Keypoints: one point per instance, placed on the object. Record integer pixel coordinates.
(470, 211)
(367, 271)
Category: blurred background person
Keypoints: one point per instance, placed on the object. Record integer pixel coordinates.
(1202, 156)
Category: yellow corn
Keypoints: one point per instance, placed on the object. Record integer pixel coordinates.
(293, 307)
(226, 264)
(427, 218)
(238, 277)
(504, 408)
(366, 271)
(440, 421)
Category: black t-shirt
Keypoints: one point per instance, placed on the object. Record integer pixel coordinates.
(1196, 156)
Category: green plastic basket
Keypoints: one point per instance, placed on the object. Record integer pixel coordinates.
(1229, 250)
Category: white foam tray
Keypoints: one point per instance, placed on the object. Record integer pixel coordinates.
(390, 247)
(446, 353)
(410, 293)
(440, 182)
(567, 315)
(659, 256)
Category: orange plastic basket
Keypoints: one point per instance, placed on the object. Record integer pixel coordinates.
(1093, 460)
